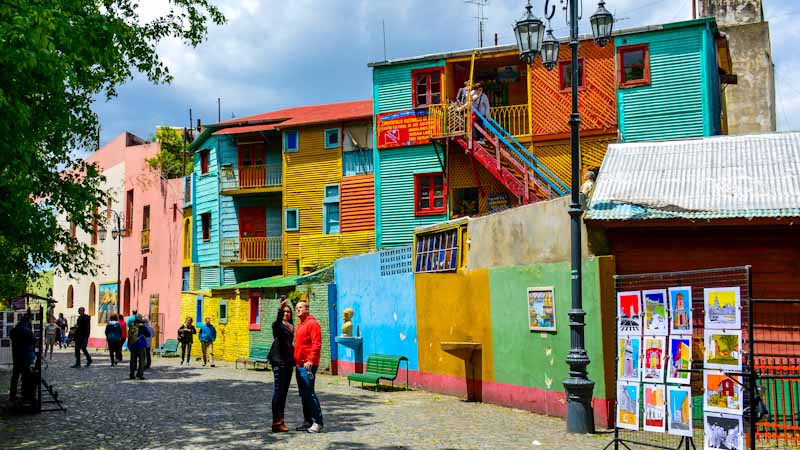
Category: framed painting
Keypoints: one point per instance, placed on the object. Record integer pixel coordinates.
(108, 302)
(541, 309)
(723, 350)
(629, 313)
(679, 405)
(630, 352)
(680, 310)
(722, 308)
(722, 432)
(680, 359)
(628, 406)
(723, 393)
(653, 359)
(655, 409)
(655, 312)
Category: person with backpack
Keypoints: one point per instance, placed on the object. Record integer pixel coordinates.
(148, 356)
(186, 336)
(137, 345)
(114, 338)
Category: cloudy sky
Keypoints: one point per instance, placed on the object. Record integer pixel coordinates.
(274, 54)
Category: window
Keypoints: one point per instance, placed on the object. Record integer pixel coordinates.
(146, 217)
(108, 208)
(565, 75)
(92, 300)
(330, 209)
(222, 313)
(437, 252)
(185, 279)
(205, 220)
(427, 87)
(332, 138)
(174, 212)
(187, 239)
(204, 154)
(187, 189)
(70, 297)
(292, 219)
(144, 268)
(198, 310)
(290, 141)
(255, 310)
(633, 64)
(129, 212)
(429, 194)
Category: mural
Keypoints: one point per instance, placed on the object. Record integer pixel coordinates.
(108, 302)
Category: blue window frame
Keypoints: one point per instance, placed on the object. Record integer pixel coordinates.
(291, 141)
(330, 209)
(198, 310)
(292, 219)
(185, 279)
(332, 138)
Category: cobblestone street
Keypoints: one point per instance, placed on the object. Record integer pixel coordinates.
(200, 408)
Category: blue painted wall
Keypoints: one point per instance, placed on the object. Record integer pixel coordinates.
(207, 201)
(384, 308)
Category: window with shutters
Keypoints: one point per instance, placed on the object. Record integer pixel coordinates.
(427, 87)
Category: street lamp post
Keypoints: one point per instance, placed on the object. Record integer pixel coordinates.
(532, 43)
(117, 234)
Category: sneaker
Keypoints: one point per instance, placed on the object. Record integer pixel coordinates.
(315, 428)
(88, 363)
(76, 366)
(303, 427)
(131, 377)
(213, 365)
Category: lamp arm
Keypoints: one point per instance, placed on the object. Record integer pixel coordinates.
(552, 9)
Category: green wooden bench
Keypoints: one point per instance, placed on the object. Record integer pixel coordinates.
(380, 367)
(255, 362)
(169, 347)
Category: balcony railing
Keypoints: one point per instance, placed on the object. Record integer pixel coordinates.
(451, 119)
(251, 177)
(513, 118)
(252, 250)
(145, 240)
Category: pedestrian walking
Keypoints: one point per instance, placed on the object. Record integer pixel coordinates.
(22, 356)
(62, 325)
(82, 331)
(137, 344)
(122, 344)
(148, 351)
(114, 338)
(307, 347)
(207, 336)
(186, 336)
(131, 318)
(281, 357)
(50, 335)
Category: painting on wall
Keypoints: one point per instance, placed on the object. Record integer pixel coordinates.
(680, 310)
(541, 309)
(679, 405)
(655, 312)
(653, 360)
(680, 359)
(630, 348)
(723, 432)
(723, 350)
(655, 409)
(722, 307)
(629, 313)
(108, 302)
(723, 393)
(628, 406)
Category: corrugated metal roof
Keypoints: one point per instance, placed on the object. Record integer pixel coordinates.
(711, 178)
(247, 129)
(271, 282)
(306, 115)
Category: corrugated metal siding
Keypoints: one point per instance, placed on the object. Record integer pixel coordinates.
(357, 203)
(318, 307)
(671, 107)
(209, 277)
(398, 166)
(206, 201)
(320, 250)
(229, 276)
(392, 85)
(307, 172)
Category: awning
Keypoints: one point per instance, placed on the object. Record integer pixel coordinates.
(263, 283)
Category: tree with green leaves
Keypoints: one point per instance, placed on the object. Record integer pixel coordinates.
(56, 57)
(171, 160)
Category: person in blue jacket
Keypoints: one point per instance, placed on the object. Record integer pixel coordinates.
(207, 336)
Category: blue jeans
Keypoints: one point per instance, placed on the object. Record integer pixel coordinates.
(305, 384)
(283, 378)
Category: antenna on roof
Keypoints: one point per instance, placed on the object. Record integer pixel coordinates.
(383, 25)
(479, 4)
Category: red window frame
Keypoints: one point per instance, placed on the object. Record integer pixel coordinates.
(203, 162)
(205, 222)
(428, 94)
(645, 80)
(129, 212)
(144, 268)
(561, 80)
(255, 311)
(431, 210)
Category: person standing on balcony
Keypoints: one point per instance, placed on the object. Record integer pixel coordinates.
(463, 94)
(480, 102)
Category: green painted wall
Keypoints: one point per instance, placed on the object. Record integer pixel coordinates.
(536, 359)
(318, 307)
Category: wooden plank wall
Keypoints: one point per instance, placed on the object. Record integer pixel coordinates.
(321, 250)
(357, 203)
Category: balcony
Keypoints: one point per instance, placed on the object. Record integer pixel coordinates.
(451, 120)
(250, 179)
(252, 251)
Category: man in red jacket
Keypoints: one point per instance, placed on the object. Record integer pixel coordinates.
(307, 347)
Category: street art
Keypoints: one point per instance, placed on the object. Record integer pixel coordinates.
(679, 405)
(629, 355)
(653, 360)
(723, 432)
(654, 408)
(108, 302)
(680, 359)
(722, 308)
(723, 350)
(541, 309)
(628, 406)
(680, 310)
(629, 313)
(723, 393)
(655, 312)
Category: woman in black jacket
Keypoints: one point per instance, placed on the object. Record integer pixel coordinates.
(281, 356)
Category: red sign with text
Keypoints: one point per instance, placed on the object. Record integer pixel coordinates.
(403, 128)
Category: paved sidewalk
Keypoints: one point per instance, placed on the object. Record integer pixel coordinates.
(220, 408)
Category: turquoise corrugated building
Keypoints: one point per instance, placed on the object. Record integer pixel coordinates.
(668, 81)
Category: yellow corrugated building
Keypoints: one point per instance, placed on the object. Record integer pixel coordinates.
(233, 333)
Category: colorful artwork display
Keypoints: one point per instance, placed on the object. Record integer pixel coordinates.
(653, 360)
(680, 310)
(654, 408)
(723, 393)
(655, 312)
(542, 309)
(629, 313)
(723, 350)
(402, 128)
(680, 358)
(108, 302)
(723, 432)
(630, 348)
(722, 307)
(679, 405)
(628, 406)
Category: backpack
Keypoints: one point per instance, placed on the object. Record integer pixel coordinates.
(114, 333)
(133, 333)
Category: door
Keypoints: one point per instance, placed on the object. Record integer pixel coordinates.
(252, 171)
(253, 233)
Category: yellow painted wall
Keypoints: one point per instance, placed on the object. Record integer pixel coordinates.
(556, 155)
(233, 338)
(307, 171)
(453, 307)
(186, 242)
(321, 250)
